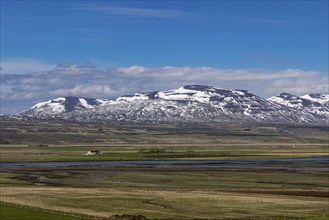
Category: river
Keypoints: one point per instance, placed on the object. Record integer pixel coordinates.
(172, 163)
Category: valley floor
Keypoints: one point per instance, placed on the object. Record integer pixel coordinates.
(250, 191)
(294, 189)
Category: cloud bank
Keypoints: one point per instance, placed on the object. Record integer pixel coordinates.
(20, 91)
(23, 66)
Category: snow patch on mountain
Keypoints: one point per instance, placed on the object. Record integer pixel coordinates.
(315, 97)
(62, 105)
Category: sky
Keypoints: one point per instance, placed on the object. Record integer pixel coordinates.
(106, 49)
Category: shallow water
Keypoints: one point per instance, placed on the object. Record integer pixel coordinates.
(171, 163)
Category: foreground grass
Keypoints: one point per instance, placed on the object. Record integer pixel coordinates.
(14, 212)
(164, 204)
(247, 192)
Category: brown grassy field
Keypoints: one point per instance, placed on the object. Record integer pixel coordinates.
(295, 190)
(38, 132)
(177, 193)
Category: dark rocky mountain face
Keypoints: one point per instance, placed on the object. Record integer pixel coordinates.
(74, 103)
(191, 103)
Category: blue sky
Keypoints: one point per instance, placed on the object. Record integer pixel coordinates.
(231, 38)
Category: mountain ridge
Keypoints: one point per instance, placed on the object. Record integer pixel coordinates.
(190, 103)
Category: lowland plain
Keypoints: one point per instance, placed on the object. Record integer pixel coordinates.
(284, 188)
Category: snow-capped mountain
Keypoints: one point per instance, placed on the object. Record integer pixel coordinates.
(191, 103)
(320, 98)
(314, 103)
(62, 105)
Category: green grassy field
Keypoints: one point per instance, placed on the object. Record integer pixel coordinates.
(14, 212)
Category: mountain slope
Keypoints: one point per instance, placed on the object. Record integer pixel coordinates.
(313, 105)
(316, 97)
(191, 103)
(62, 105)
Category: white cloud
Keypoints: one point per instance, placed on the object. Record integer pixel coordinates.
(131, 70)
(89, 91)
(135, 12)
(72, 68)
(301, 85)
(23, 66)
(192, 73)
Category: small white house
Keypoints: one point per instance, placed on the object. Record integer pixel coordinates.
(93, 152)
